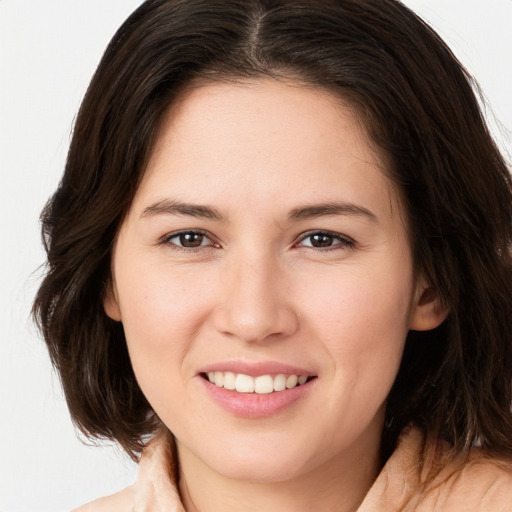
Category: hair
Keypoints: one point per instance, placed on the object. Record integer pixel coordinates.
(419, 108)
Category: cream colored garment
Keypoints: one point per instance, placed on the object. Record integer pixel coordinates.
(475, 485)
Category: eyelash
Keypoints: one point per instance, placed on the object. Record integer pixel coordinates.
(167, 240)
(343, 243)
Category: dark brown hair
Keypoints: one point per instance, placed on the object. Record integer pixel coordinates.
(418, 106)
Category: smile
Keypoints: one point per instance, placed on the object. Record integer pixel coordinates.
(261, 384)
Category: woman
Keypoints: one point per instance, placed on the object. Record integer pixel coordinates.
(279, 263)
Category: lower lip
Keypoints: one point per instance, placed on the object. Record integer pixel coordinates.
(254, 405)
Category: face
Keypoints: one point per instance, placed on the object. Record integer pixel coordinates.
(265, 250)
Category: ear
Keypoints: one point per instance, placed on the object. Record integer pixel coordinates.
(427, 312)
(111, 303)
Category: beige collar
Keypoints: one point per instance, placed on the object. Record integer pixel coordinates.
(421, 475)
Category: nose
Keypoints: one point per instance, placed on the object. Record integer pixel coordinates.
(254, 303)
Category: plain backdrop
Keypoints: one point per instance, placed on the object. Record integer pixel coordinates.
(48, 52)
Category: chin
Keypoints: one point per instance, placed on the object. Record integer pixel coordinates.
(260, 461)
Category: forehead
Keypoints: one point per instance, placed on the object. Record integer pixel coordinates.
(265, 140)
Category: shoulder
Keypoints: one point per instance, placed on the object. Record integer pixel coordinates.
(122, 501)
(475, 481)
(155, 487)
(425, 474)
(481, 483)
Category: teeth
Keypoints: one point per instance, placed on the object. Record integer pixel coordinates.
(230, 380)
(280, 382)
(219, 379)
(244, 383)
(291, 381)
(263, 384)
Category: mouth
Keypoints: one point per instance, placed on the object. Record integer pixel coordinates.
(257, 389)
(259, 385)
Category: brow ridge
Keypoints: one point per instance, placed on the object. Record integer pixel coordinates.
(330, 208)
(173, 207)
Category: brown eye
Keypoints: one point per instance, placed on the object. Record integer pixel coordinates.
(189, 239)
(326, 240)
(321, 240)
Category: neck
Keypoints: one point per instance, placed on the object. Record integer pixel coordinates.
(338, 485)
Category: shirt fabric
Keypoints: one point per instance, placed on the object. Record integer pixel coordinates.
(422, 475)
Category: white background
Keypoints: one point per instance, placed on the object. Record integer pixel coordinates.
(48, 52)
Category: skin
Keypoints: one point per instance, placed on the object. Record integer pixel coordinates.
(256, 289)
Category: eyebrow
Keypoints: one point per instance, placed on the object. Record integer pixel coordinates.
(173, 207)
(327, 209)
(170, 207)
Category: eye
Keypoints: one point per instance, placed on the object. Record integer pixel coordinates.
(325, 240)
(188, 239)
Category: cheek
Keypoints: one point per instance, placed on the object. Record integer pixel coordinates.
(359, 302)
(161, 311)
(161, 314)
(157, 296)
(362, 320)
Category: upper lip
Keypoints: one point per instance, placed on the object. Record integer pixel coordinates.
(256, 368)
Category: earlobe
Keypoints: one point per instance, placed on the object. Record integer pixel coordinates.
(111, 303)
(428, 312)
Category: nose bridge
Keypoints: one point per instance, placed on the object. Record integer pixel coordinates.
(254, 305)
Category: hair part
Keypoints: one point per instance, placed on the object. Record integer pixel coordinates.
(417, 104)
